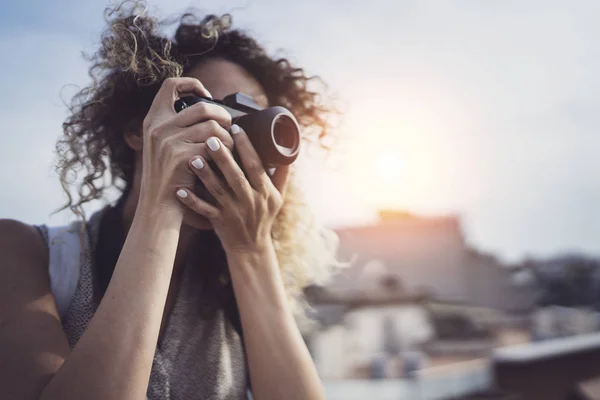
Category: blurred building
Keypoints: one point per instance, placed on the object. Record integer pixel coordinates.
(419, 302)
(414, 289)
(368, 334)
(491, 284)
(428, 255)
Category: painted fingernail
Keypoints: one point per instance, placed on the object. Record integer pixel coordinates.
(182, 193)
(213, 144)
(198, 163)
(235, 129)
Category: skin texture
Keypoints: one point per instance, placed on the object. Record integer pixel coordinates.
(112, 359)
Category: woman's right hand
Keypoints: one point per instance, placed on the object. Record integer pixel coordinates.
(170, 139)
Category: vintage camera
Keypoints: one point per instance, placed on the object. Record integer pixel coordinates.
(274, 131)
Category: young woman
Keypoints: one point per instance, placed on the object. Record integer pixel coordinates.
(180, 290)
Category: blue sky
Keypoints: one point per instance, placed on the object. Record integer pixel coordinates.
(485, 109)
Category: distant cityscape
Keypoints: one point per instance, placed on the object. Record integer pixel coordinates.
(416, 297)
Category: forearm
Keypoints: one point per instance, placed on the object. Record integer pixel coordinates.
(280, 364)
(113, 358)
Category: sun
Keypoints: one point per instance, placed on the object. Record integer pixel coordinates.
(388, 167)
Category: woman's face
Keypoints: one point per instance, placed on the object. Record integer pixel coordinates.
(222, 78)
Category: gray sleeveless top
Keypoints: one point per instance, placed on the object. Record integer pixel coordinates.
(195, 359)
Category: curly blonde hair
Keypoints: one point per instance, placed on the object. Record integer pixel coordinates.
(133, 60)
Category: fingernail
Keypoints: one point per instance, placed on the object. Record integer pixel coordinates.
(182, 193)
(197, 163)
(235, 129)
(213, 144)
(209, 95)
(271, 171)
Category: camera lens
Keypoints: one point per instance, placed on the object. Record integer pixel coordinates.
(285, 134)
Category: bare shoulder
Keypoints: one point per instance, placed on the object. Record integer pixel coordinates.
(23, 266)
(22, 251)
(30, 328)
(13, 232)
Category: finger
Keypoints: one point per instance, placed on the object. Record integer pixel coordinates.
(251, 162)
(280, 177)
(200, 112)
(230, 169)
(200, 133)
(173, 88)
(197, 205)
(211, 181)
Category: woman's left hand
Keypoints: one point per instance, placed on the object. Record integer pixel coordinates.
(246, 203)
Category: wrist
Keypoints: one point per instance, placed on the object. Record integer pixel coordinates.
(154, 234)
(255, 275)
(159, 213)
(251, 256)
(157, 219)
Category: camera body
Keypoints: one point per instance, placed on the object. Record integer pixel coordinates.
(274, 131)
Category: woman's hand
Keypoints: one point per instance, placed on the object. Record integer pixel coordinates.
(170, 139)
(246, 204)
(279, 362)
